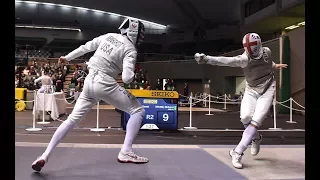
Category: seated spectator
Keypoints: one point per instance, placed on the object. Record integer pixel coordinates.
(26, 70)
(74, 80)
(64, 71)
(141, 75)
(17, 81)
(38, 74)
(137, 77)
(159, 86)
(173, 85)
(169, 86)
(85, 69)
(80, 85)
(140, 85)
(32, 71)
(136, 86)
(147, 85)
(133, 84)
(126, 86)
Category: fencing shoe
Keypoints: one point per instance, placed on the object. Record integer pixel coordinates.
(236, 158)
(131, 157)
(255, 147)
(38, 164)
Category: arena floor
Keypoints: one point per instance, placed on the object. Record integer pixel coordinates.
(188, 155)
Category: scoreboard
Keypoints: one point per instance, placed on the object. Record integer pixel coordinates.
(161, 109)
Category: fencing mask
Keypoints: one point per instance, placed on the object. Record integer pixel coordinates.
(134, 30)
(252, 45)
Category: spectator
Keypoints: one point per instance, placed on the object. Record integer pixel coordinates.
(173, 85)
(64, 71)
(32, 71)
(54, 79)
(169, 86)
(74, 80)
(80, 85)
(136, 86)
(186, 89)
(158, 86)
(147, 85)
(85, 69)
(141, 75)
(137, 77)
(166, 83)
(59, 82)
(17, 81)
(38, 73)
(26, 70)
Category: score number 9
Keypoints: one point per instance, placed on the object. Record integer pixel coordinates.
(165, 117)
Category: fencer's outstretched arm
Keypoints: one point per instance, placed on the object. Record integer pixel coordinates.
(83, 49)
(129, 63)
(235, 61)
(38, 79)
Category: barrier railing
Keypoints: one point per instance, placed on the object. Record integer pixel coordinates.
(97, 129)
(35, 110)
(190, 116)
(192, 101)
(43, 110)
(34, 117)
(226, 100)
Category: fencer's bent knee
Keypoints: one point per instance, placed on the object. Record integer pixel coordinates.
(139, 111)
(75, 117)
(255, 124)
(138, 114)
(245, 119)
(69, 123)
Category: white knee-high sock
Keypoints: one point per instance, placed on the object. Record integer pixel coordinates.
(246, 139)
(133, 127)
(256, 135)
(60, 133)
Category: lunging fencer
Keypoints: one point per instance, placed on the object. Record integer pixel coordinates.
(259, 92)
(114, 53)
(46, 82)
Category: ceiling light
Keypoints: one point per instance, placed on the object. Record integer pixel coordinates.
(295, 26)
(48, 27)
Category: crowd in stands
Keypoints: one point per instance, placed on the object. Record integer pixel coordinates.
(77, 80)
(26, 75)
(140, 80)
(169, 85)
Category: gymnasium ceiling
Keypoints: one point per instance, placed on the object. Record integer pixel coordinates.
(178, 14)
(175, 14)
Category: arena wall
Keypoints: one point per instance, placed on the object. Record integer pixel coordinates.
(297, 63)
(191, 70)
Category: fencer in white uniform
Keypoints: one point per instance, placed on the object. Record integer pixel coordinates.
(46, 82)
(114, 53)
(259, 92)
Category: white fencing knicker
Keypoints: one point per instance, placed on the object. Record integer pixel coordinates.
(255, 107)
(100, 86)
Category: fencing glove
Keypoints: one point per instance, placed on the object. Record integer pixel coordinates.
(200, 58)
